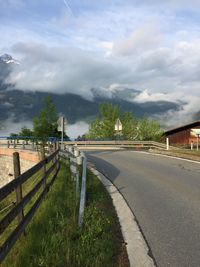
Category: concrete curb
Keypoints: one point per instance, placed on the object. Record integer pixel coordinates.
(137, 248)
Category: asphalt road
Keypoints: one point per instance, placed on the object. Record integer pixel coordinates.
(164, 195)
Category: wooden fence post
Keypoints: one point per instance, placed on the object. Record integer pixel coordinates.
(18, 190)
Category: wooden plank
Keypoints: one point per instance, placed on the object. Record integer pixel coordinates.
(11, 240)
(52, 156)
(8, 188)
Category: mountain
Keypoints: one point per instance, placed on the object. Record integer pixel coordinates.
(8, 59)
(24, 105)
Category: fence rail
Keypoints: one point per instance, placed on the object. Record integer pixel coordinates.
(19, 206)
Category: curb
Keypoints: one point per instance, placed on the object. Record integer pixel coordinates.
(137, 248)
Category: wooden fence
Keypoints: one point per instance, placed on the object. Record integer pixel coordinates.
(49, 168)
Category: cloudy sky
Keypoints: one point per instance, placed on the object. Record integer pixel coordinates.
(74, 45)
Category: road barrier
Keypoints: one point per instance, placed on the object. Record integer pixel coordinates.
(77, 158)
(33, 144)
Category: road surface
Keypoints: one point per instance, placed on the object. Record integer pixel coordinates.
(164, 195)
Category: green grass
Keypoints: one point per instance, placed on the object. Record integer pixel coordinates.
(53, 238)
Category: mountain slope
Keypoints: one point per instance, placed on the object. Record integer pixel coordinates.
(25, 105)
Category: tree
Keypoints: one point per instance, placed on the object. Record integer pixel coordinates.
(132, 128)
(103, 126)
(129, 126)
(13, 135)
(45, 124)
(25, 132)
(149, 130)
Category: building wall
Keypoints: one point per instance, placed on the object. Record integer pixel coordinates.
(183, 137)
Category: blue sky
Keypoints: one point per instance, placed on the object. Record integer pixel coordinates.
(63, 22)
(72, 46)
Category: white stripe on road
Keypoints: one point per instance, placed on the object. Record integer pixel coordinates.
(167, 156)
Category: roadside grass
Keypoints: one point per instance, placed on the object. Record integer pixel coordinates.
(182, 153)
(53, 238)
(189, 152)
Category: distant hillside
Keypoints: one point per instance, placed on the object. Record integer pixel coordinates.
(25, 105)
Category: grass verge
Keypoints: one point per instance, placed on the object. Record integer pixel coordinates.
(185, 154)
(53, 239)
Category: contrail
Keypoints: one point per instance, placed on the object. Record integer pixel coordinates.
(68, 7)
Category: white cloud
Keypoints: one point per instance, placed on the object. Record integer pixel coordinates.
(79, 128)
(146, 96)
(143, 39)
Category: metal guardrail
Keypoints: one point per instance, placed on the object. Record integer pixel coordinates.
(76, 159)
(120, 143)
(31, 144)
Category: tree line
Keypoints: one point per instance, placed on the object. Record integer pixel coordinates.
(44, 124)
(103, 127)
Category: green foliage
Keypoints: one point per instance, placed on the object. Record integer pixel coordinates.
(25, 132)
(132, 128)
(103, 127)
(149, 130)
(13, 135)
(45, 124)
(129, 124)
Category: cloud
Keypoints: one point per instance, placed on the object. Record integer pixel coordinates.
(60, 70)
(141, 40)
(66, 69)
(150, 45)
(79, 128)
(146, 96)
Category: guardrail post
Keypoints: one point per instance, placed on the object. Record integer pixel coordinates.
(44, 168)
(76, 152)
(57, 156)
(33, 145)
(79, 161)
(167, 143)
(70, 149)
(18, 190)
(14, 143)
(192, 145)
(83, 191)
